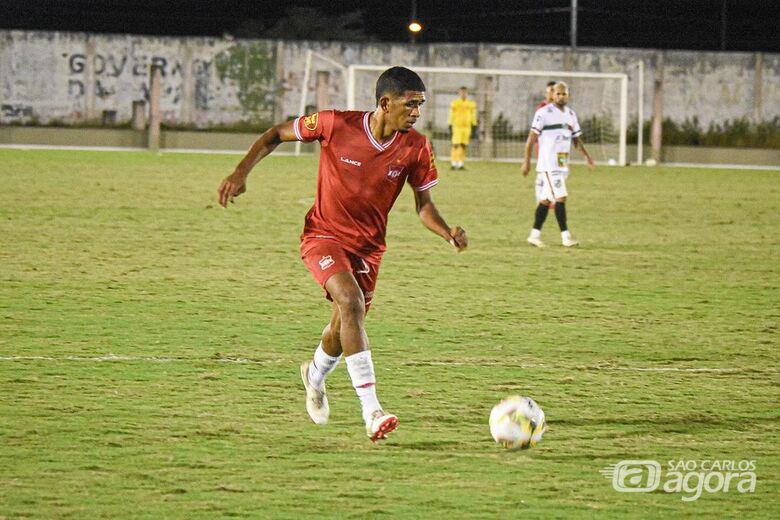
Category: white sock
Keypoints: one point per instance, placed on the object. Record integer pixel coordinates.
(535, 233)
(323, 365)
(361, 370)
(565, 235)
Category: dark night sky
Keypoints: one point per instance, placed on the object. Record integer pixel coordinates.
(670, 24)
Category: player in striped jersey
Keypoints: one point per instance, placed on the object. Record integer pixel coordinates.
(555, 127)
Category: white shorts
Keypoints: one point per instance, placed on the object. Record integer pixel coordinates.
(551, 186)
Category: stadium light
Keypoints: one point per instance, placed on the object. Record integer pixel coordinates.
(414, 24)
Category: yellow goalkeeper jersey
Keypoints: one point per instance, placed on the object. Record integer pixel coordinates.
(463, 113)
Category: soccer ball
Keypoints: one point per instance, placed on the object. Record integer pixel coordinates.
(517, 423)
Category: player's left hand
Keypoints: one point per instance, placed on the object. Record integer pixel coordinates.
(232, 186)
(458, 238)
(474, 132)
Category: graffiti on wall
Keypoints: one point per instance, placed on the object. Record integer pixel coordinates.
(14, 111)
(109, 66)
(251, 67)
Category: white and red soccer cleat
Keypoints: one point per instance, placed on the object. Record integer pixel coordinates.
(316, 400)
(380, 424)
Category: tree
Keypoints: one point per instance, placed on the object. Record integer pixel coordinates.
(308, 23)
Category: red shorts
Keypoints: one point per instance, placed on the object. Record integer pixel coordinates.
(325, 257)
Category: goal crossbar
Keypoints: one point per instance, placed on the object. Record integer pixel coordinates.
(623, 125)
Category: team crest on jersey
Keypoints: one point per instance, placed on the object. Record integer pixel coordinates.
(394, 172)
(310, 122)
(326, 261)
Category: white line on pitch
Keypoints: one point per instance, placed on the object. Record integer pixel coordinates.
(239, 360)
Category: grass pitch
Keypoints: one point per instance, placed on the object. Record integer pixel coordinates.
(150, 343)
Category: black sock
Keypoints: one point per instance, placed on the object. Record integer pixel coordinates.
(541, 214)
(560, 214)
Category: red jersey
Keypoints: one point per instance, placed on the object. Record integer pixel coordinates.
(359, 178)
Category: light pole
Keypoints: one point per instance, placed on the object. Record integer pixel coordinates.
(573, 24)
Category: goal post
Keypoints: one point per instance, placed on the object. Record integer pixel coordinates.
(505, 102)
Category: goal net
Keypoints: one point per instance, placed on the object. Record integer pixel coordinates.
(506, 101)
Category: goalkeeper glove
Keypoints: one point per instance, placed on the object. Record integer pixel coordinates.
(449, 129)
(474, 133)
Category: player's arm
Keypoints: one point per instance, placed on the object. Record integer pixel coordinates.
(529, 144)
(235, 184)
(580, 145)
(431, 219)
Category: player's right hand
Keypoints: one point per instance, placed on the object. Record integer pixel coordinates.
(458, 238)
(232, 186)
(525, 169)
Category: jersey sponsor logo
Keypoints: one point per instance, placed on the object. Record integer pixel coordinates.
(310, 122)
(350, 161)
(326, 261)
(394, 172)
(561, 137)
(563, 159)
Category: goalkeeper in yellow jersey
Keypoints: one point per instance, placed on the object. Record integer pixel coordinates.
(463, 126)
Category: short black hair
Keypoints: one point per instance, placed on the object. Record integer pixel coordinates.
(396, 81)
(551, 83)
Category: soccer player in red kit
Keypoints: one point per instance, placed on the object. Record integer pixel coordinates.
(365, 159)
(548, 95)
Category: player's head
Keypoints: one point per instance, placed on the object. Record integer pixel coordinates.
(463, 92)
(399, 95)
(560, 94)
(548, 91)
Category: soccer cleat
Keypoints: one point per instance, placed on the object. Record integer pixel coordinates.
(534, 241)
(316, 400)
(380, 424)
(569, 242)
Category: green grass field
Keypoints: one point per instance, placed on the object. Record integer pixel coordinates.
(150, 343)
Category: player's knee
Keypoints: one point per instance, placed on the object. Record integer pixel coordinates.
(544, 202)
(353, 308)
(561, 200)
(351, 303)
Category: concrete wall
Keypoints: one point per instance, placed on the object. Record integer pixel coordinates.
(74, 77)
